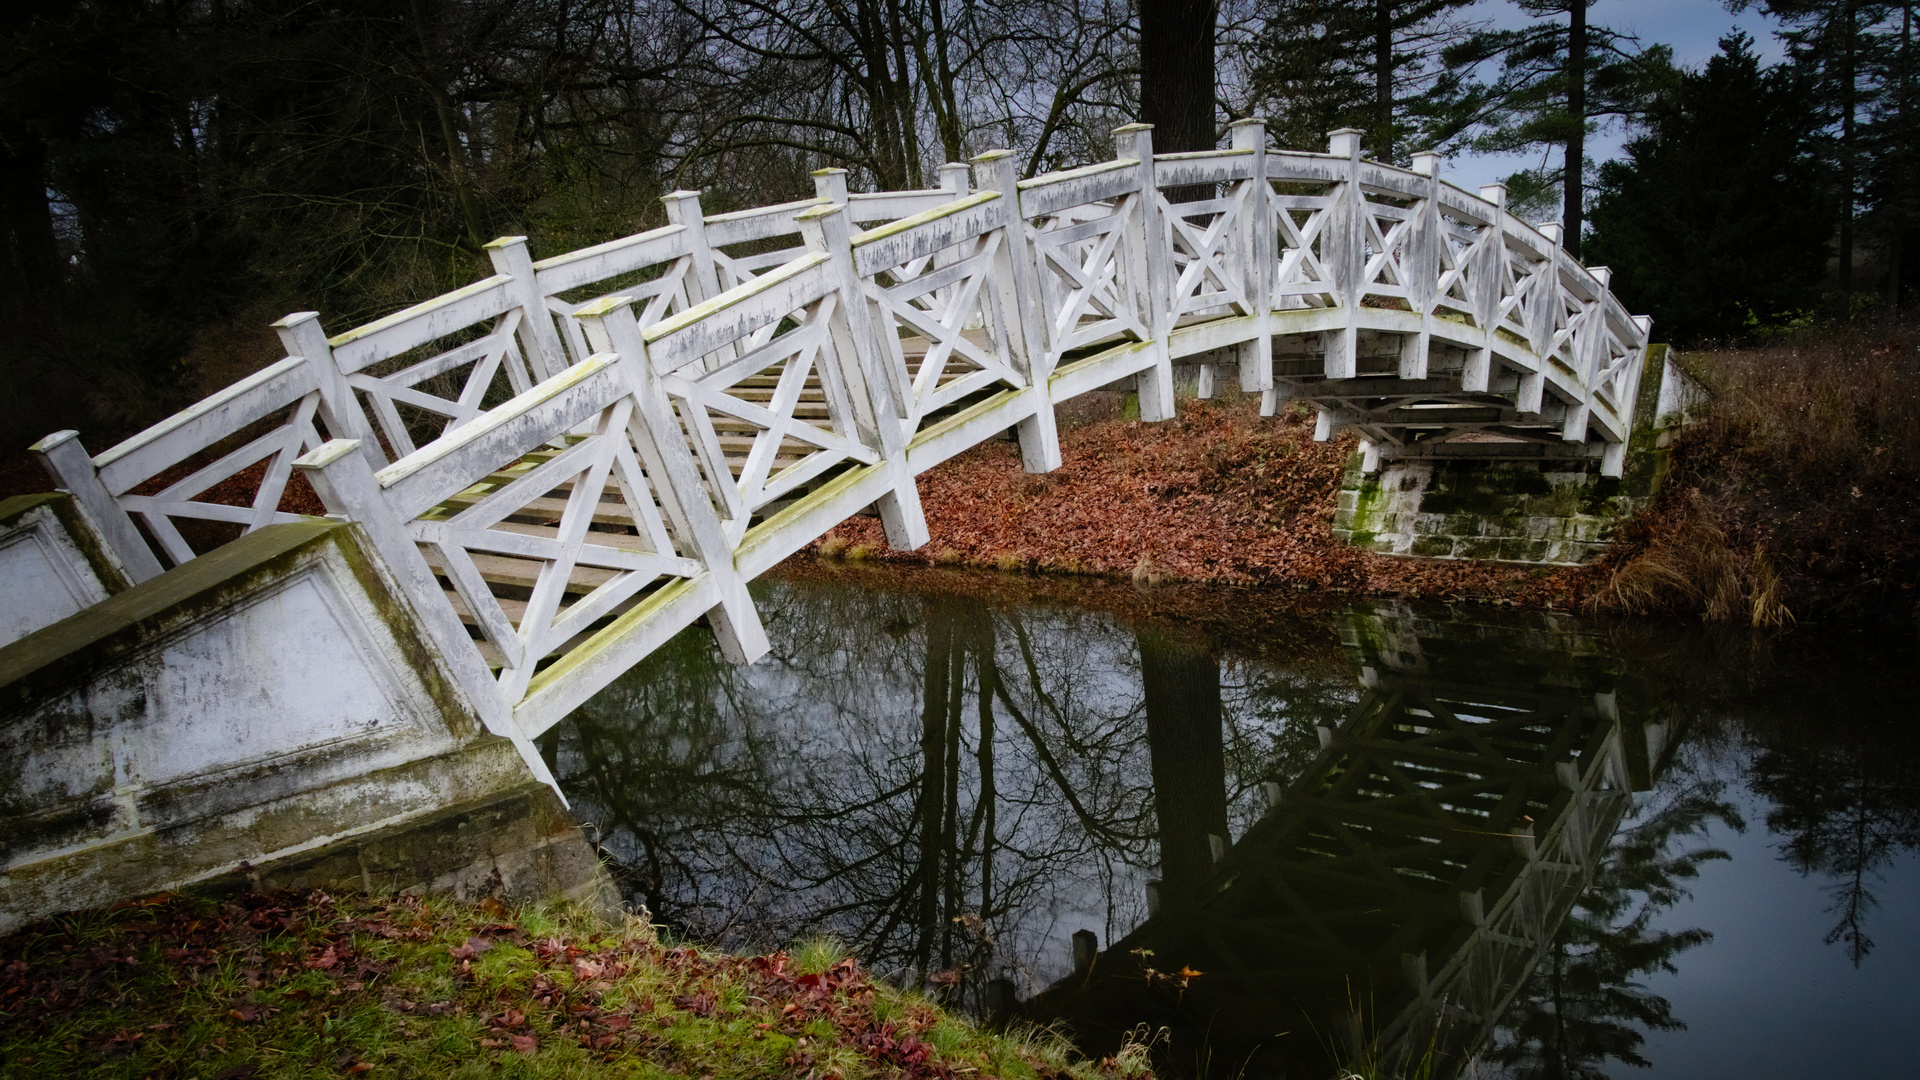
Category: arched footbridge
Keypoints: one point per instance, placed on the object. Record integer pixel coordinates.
(566, 463)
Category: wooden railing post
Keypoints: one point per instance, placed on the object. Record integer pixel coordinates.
(655, 432)
(538, 337)
(301, 335)
(1259, 256)
(349, 489)
(703, 277)
(1542, 302)
(1484, 279)
(1422, 262)
(830, 184)
(71, 468)
(1588, 341)
(1016, 278)
(1154, 260)
(1346, 258)
(856, 345)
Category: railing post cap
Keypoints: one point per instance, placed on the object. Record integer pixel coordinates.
(819, 213)
(1602, 274)
(1249, 120)
(501, 242)
(1427, 162)
(679, 194)
(1494, 193)
(1344, 142)
(326, 454)
(58, 438)
(1128, 129)
(991, 155)
(828, 171)
(601, 308)
(295, 319)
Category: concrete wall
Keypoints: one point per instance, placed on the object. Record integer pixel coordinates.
(53, 563)
(268, 701)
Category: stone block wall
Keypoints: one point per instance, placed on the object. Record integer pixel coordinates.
(1551, 513)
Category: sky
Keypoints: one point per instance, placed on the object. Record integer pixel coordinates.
(1692, 27)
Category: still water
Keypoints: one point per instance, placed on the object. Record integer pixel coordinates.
(1474, 841)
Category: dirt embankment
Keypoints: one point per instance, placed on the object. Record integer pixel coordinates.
(1218, 494)
(1796, 497)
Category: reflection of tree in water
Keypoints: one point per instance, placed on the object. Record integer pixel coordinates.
(1584, 1005)
(1845, 808)
(952, 786)
(1823, 733)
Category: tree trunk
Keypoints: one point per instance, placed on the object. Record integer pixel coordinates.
(1177, 73)
(1849, 182)
(29, 218)
(1573, 178)
(435, 83)
(1184, 739)
(1383, 80)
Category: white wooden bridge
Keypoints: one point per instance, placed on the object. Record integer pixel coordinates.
(568, 462)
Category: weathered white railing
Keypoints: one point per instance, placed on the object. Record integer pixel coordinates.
(591, 451)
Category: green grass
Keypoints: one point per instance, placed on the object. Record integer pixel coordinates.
(288, 985)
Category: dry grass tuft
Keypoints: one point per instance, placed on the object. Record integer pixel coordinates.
(1690, 566)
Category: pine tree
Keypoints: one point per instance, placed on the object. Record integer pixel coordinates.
(1833, 41)
(1558, 79)
(1719, 214)
(1369, 64)
(1891, 143)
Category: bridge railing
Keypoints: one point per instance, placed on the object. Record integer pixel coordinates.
(771, 372)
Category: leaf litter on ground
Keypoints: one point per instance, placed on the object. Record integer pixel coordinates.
(306, 984)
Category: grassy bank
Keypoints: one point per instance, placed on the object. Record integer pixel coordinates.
(306, 985)
(1796, 496)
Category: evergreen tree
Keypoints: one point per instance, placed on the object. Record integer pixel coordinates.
(1559, 78)
(1584, 1004)
(1891, 144)
(1368, 64)
(1719, 213)
(1833, 42)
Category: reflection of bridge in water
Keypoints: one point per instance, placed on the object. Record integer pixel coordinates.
(1396, 897)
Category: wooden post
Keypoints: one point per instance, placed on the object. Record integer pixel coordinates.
(1259, 256)
(656, 435)
(301, 335)
(348, 488)
(856, 342)
(953, 178)
(1423, 266)
(830, 184)
(703, 277)
(1155, 293)
(545, 354)
(1540, 319)
(71, 468)
(1016, 277)
(1346, 232)
(1484, 279)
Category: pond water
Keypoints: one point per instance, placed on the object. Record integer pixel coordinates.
(1487, 842)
